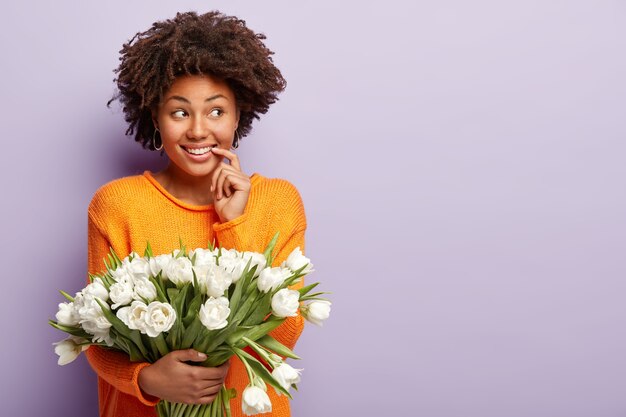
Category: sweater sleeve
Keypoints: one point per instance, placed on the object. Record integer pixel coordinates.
(279, 208)
(113, 366)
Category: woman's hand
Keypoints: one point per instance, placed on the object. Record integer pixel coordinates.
(171, 379)
(230, 187)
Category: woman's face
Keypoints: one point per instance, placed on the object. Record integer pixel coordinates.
(197, 113)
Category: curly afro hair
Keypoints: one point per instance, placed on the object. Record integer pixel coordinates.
(211, 44)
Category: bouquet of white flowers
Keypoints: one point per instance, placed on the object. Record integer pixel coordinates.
(217, 301)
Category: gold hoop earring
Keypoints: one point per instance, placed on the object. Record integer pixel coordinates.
(154, 140)
(235, 144)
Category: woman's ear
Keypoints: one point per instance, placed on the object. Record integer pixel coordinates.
(237, 122)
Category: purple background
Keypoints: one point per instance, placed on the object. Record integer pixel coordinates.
(462, 168)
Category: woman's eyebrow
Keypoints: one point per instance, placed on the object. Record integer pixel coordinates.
(184, 100)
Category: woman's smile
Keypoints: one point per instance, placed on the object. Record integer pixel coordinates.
(198, 151)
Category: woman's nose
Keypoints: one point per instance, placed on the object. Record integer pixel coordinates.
(198, 129)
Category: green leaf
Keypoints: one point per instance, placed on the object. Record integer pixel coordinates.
(66, 295)
(226, 397)
(315, 296)
(117, 324)
(261, 309)
(275, 346)
(158, 284)
(215, 406)
(238, 292)
(305, 290)
(192, 309)
(159, 341)
(183, 250)
(218, 357)
(193, 330)
(172, 293)
(261, 371)
(107, 280)
(151, 345)
(74, 331)
(216, 337)
(243, 309)
(257, 332)
(270, 247)
(135, 337)
(130, 348)
(118, 262)
(148, 252)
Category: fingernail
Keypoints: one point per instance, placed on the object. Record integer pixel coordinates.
(201, 355)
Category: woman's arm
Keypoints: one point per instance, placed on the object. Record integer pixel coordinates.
(169, 378)
(113, 366)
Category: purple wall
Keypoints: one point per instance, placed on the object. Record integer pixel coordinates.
(462, 167)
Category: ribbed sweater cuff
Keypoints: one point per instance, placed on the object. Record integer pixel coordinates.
(149, 400)
(115, 368)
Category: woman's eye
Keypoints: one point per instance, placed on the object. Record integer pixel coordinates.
(216, 112)
(179, 113)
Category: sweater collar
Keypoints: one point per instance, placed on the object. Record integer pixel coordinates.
(148, 175)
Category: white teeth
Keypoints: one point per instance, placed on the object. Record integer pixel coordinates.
(199, 151)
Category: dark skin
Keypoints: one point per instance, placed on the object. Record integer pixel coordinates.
(197, 112)
(172, 378)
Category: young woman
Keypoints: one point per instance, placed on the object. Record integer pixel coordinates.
(190, 87)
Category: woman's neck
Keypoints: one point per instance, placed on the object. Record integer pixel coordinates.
(185, 187)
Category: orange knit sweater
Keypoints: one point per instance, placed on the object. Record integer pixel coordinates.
(127, 212)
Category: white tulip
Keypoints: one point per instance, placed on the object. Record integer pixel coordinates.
(96, 289)
(159, 264)
(144, 289)
(67, 315)
(228, 254)
(123, 314)
(92, 319)
(214, 313)
(122, 275)
(272, 278)
(286, 375)
(121, 294)
(138, 268)
(217, 281)
(179, 271)
(233, 266)
(136, 316)
(203, 256)
(255, 401)
(316, 311)
(285, 303)
(297, 260)
(69, 349)
(159, 318)
(255, 259)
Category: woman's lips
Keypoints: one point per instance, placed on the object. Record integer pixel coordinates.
(201, 154)
(198, 150)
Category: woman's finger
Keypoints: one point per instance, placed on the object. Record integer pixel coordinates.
(220, 183)
(231, 156)
(226, 179)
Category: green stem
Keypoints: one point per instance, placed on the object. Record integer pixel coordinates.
(161, 345)
(251, 373)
